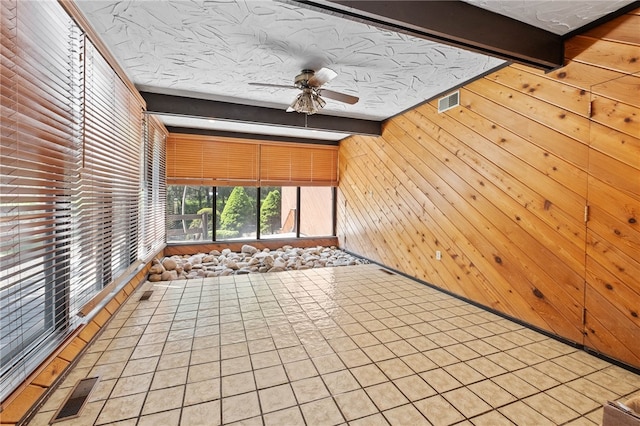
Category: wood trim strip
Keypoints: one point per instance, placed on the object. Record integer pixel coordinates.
(77, 15)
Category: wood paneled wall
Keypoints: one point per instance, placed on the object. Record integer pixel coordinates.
(530, 189)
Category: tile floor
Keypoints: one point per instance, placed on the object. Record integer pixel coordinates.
(351, 345)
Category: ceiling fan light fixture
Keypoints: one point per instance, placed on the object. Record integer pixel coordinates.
(308, 102)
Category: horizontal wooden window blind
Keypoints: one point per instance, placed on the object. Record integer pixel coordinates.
(40, 148)
(207, 160)
(202, 160)
(298, 165)
(77, 206)
(154, 196)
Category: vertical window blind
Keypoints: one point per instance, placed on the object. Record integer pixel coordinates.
(207, 160)
(82, 187)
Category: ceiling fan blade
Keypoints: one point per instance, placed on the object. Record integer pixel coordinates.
(322, 76)
(337, 96)
(279, 86)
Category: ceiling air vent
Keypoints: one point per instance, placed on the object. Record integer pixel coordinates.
(450, 101)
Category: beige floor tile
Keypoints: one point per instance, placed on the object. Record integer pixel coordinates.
(132, 384)
(235, 350)
(203, 391)
(146, 351)
(240, 407)
(328, 363)
(592, 390)
(152, 338)
(276, 398)
(177, 346)
(373, 420)
(201, 372)
(270, 376)
(342, 344)
(171, 361)
(556, 372)
(463, 373)
(368, 375)
(166, 418)
(613, 384)
(506, 361)
(140, 366)
(515, 385)
(265, 359)
(378, 352)
(467, 402)
(293, 354)
(207, 413)
(551, 408)
(438, 411)
(101, 391)
(354, 358)
(322, 412)
(169, 378)
(394, 368)
(205, 355)
(418, 362)
(300, 370)
(486, 367)
(536, 378)
(340, 382)
(440, 380)
(355, 404)
(163, 399)
(462, 352)
(386, 396)
(414, 387)
(310, 389)
(492, 418)
(573, 399)
(405, 415)
(401, 348)
(521, 414)
(583, 421)
(422, 343)
(491, 393)
(481, 347)
(290, 417)
(441, 357)
(237, 384)
(116, 409)
(235, 365)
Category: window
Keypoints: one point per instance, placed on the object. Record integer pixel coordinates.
(236, 216)
(248, 213)
(316, 211)
(189, 213)
(278, 212)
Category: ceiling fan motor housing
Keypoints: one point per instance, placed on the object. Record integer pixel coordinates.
(302, 79)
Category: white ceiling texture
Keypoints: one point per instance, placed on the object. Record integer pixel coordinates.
(212, 50)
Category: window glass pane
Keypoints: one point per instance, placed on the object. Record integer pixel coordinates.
(189, 213)
(236, 212)
(316, 211)
(278, 212)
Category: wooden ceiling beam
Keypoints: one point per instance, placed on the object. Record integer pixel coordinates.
(455, 23)
(208, 109)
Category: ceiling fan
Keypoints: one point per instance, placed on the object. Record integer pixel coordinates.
(310, 101)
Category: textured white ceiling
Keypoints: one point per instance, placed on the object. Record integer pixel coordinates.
(557, 16)
(214, 49)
